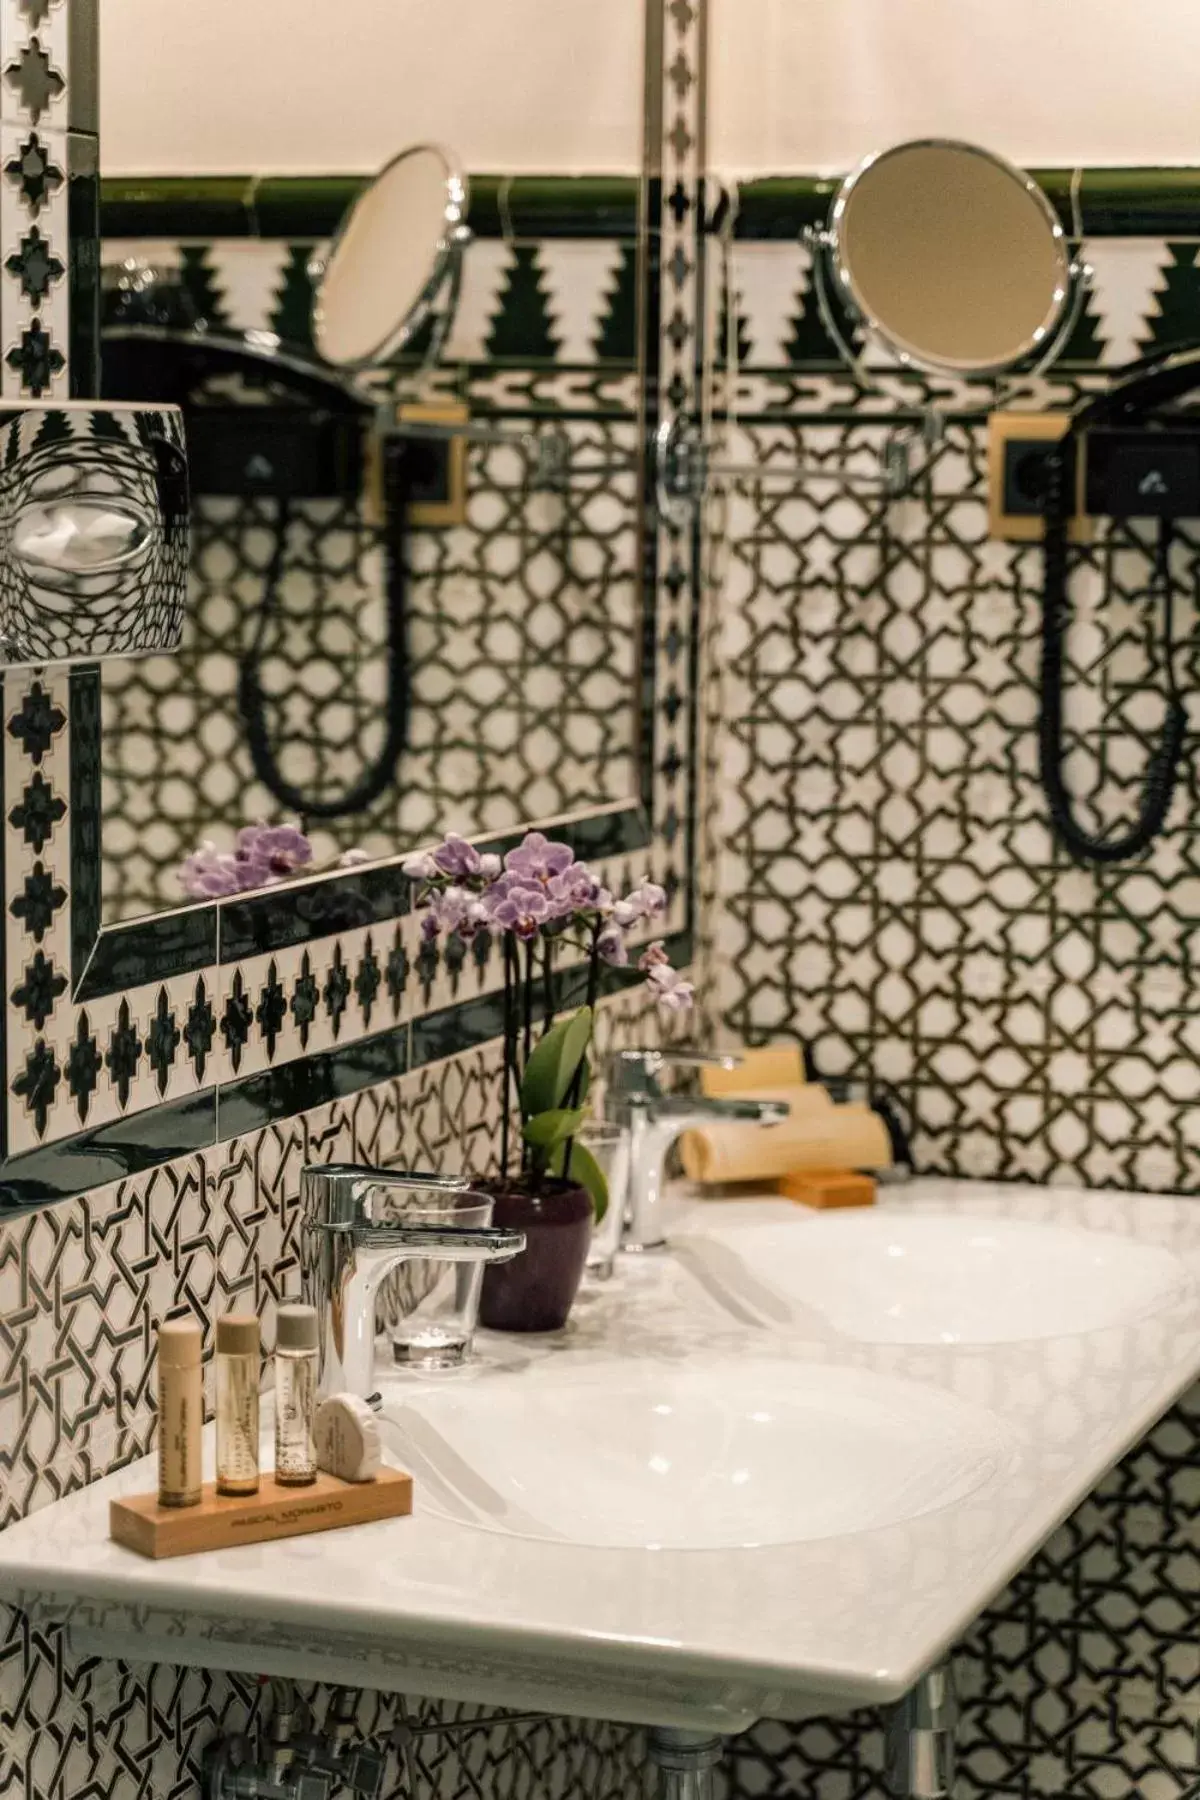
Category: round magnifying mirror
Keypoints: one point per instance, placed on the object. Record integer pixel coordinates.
(390, 258)
(951, 256)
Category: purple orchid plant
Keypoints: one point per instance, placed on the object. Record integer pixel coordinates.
(535, 900)
(262, 856)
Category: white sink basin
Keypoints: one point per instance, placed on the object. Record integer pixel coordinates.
(887, 1277)
(704, 1455)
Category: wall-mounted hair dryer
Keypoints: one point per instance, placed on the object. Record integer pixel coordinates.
(1121, 456)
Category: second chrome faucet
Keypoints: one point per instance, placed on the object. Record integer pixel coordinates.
(654, 1120)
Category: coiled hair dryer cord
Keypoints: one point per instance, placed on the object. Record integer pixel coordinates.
(378, 777)
(1162, 770)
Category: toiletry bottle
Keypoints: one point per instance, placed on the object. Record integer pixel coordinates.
(295, 1395)
(180, 1412)
(237, 1403)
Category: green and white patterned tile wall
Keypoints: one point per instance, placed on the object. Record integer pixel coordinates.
(522, 620)
(892, 894)
(889, 894)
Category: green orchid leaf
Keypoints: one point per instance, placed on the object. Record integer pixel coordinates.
(586, 1171)
(546, 1129)
(553, 1062)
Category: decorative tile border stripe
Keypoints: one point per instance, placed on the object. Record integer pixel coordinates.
(1144, 297)
(675, 360)
(35, 156)
(566, 303)
(311, 206)
(90, 1070)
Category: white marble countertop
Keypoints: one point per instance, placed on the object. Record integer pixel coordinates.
(712, 1638)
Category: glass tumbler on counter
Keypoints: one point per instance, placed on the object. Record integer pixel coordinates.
(609, 1145)
(432, 1308)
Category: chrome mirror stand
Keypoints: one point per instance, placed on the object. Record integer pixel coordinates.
(684, 471)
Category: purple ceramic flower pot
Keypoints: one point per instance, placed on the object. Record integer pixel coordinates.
(535, 1292)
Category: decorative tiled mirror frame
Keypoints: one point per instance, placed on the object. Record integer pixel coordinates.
(129, 1045)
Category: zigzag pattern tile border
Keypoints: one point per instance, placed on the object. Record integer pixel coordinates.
(565, 303)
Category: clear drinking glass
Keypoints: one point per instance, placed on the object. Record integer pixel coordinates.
(431, 1308)
(609, 1144)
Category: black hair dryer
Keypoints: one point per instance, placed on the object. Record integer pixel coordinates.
(1122, 457)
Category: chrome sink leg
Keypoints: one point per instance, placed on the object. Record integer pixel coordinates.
(920, 1739)
(685, 1761)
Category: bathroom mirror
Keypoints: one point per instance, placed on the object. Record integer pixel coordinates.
(399, 248)
(296, 286)
(949, 255)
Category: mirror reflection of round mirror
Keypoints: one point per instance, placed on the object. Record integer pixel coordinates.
(389, 258)
(950, 255)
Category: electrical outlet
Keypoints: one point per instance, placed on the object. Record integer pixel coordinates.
(439, 490)
(1018, 445)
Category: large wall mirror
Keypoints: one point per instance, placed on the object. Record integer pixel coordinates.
(895, 654)
(522, 627)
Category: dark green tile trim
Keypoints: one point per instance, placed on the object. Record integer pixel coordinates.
(1129, 202)
(310, 206)
(110, 1152)
(295, 207)
(549, 206)
(145, 950)
(1113, 202)
(298, 912)
(310, 1081)
(780, 206)
(457, 1028)
(85, 815)
(204, 206)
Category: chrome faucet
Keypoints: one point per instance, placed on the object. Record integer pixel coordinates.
(346, 1249)
(654, 1120)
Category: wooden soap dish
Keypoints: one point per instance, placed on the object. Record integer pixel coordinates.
(221, 1520)
(827, 1188)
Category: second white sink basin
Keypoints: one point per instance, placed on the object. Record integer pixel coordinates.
(711, 1454)
(889, 1277)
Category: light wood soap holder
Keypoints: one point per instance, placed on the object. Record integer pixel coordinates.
(219, 1521)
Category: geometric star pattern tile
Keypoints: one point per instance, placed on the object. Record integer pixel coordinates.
(1082, 1677)
(892, 895)
(888, 894)
(522, 629)
(522, 640)
(82, 1285)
